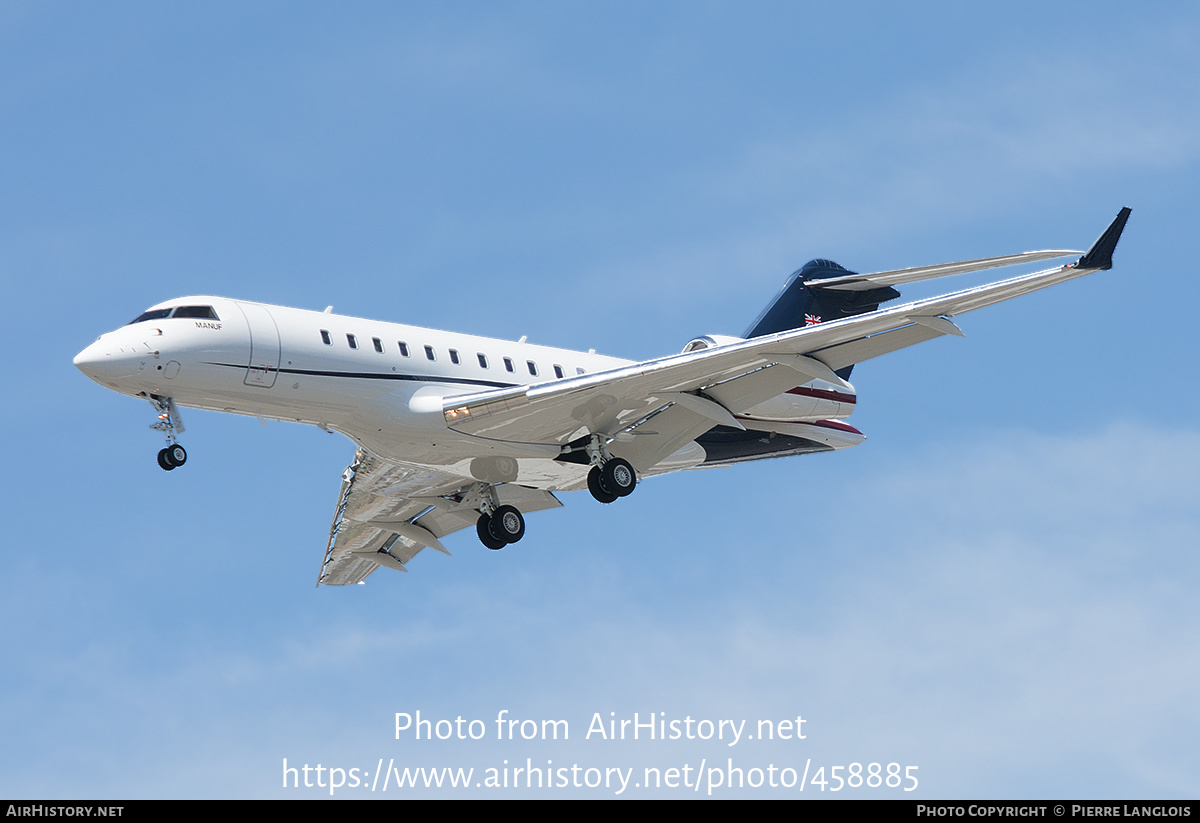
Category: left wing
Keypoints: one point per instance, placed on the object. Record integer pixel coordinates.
(676, 398)
(388, 512)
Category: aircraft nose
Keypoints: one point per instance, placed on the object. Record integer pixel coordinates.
(90, 361)
(102, 365)
(84, 358)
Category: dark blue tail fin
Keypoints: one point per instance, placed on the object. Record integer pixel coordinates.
(1099, 256)
(804, 303)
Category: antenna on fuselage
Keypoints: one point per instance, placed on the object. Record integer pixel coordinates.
(328, 309)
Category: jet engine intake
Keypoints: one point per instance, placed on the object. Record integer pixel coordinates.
(711, 341)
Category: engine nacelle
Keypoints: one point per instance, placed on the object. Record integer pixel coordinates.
(711, 341)
(807, 402)
(815, 400)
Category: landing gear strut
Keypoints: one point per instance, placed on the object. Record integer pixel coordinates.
(170, 424)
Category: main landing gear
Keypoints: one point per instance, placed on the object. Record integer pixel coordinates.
(498, 525)
(610, 477)
(614, 479)
(170, 424)
(503, 526)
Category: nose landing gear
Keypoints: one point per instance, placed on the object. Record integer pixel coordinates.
(170, 424)
(172, 457)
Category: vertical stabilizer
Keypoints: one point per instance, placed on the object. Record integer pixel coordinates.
(1099, 256)
(804, 303)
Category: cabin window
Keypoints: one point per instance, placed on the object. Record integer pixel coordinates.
(202, 312)
(578, 370)
(352, 340)
(558, 372)
(508, 365)
(403, 348)
(532, 367)
(378, 344)
(325, 338)
(429, 353)
(454, 356)
(482, 360)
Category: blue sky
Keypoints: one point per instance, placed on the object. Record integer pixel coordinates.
(997, 587)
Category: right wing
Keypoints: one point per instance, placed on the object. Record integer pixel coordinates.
(671, 400)
(387, 512)
(863, 282)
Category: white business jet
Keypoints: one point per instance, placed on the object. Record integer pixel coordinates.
(456, 431)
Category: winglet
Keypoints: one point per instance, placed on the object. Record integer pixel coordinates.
(1099, 256)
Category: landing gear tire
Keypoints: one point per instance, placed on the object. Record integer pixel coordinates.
(172, 457)
(483, 529)
(597, 488)
(507, 524)
(618, 477)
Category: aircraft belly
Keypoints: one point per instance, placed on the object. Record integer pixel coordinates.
(534, 472)
(474, 459)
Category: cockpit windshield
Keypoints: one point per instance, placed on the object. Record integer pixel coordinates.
(153, 314)
(205, 312)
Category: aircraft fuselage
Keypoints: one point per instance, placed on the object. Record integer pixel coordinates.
(381, 384)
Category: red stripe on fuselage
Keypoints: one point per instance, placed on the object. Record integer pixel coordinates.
(834, 424)
(823, 394)
(828, 424)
